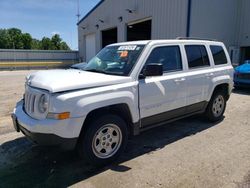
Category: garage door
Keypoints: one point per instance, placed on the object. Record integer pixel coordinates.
(109, 36)
(139, 31)
(245, 51)
(90, 46)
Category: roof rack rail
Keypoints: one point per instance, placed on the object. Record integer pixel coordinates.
(194, 38)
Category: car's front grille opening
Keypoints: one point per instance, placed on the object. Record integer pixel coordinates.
(30, 99)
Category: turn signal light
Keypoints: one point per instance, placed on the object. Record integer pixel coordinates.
(64, 115)
(59, 116)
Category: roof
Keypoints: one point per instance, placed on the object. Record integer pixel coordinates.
(141, 42)
(144, 42)
(93, 9)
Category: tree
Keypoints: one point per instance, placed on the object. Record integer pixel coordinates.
(35, 44)
(16, 38)
(13, 38)
(4, 39)
(64, 46)
(56, 42)
(26, 40)
(45, 43)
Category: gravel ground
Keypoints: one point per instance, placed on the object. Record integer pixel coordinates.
(186, 153)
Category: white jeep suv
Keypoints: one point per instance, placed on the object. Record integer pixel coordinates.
(125, 89)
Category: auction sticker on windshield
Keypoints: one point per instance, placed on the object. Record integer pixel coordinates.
(130, 47)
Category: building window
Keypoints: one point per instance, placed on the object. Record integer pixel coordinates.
(218, 55)
(197, 56)
(168, 56)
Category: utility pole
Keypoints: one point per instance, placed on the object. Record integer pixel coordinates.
(78, 11)
(78, 19)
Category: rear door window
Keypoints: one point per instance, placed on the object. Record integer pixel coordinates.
(218, 55)
(197, 56)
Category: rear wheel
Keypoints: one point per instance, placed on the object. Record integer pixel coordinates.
(216, 106)
(104, 140)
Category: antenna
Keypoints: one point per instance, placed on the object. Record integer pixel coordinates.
(78, 11)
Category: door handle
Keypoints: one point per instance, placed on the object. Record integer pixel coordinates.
(179, 80)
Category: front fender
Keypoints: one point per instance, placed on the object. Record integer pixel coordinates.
(87, 104)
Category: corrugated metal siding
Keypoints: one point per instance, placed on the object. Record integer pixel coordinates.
(37, 55)
(168, 19)
(224, 20)
(244, 34)
(215, 19)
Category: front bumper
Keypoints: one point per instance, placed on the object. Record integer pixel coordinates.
(62, 133)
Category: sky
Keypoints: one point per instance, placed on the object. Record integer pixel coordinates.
(45, 17)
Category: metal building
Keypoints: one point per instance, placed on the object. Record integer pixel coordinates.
(112, 21)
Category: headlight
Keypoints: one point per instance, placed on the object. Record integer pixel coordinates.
(43, 103)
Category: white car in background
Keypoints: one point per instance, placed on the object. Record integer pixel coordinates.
(78, 65)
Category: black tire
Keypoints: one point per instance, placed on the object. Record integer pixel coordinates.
(86, 146)
(211, 113)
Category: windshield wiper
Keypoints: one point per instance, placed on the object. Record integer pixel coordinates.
(74, 68)
(104, 72)
(95, 70)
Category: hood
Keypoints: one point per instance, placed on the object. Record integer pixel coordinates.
(245, 68)
(64, 80)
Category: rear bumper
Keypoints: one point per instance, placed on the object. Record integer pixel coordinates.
(61, 133)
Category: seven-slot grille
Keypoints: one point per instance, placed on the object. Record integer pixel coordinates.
(29, 102)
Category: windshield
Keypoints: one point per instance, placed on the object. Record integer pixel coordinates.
(115, 60)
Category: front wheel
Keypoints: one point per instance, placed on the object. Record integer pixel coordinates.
(104, 140)
(216, 106)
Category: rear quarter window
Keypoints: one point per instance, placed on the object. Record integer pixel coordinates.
(219, 55)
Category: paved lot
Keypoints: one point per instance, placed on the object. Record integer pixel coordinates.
(187, 153)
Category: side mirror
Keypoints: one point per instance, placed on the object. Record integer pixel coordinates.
(153, 70)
